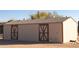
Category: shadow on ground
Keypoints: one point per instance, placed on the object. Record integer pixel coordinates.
(11, 42)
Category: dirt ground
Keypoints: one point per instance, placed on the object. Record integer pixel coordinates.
(15, 44)
(40, 46)
(20, 44)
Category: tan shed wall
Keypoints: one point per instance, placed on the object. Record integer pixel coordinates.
(28, 32)
(55, 32)
(7, 32)
(69, 30)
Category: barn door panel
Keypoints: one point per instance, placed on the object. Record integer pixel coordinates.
(14, 32)
(43, 32)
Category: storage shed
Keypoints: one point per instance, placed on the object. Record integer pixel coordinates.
(57, 30)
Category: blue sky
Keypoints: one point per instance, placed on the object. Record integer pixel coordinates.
(6, 15)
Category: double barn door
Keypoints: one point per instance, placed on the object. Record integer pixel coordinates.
(43, 32)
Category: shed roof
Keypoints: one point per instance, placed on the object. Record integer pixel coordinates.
(38, 21)
(2, 23)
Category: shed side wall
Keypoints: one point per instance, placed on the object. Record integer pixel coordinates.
(69, 30)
